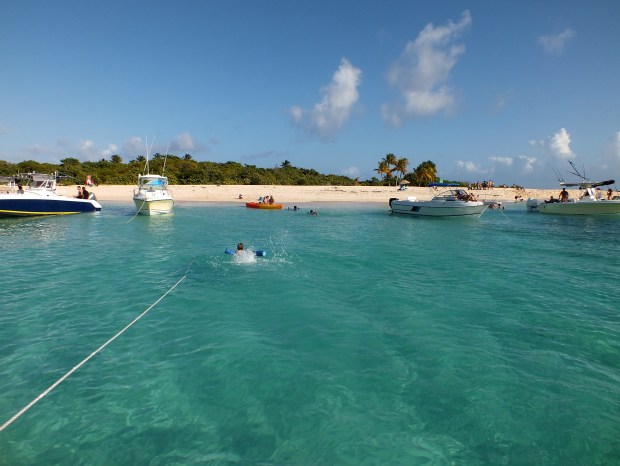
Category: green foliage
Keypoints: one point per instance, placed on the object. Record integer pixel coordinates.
(179, 170)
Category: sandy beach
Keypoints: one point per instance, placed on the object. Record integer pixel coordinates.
(304, 194)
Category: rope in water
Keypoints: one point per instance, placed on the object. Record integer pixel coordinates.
(137, 211)
(85, 360)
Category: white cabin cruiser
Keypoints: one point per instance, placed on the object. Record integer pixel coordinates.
(152, 196)
(447, 202)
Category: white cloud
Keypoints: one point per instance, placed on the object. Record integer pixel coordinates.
(470, 167)
(527, 164)
(611, 158)
(502, 160)
(88, 150)
(185, 143)
(351, 172)
(134, 146)
(560, 144)
(423, 68)
(555, 43)
(329, 115)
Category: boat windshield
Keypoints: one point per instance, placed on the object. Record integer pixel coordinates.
(155, 183)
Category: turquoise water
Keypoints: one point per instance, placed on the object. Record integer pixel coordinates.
(363, 338)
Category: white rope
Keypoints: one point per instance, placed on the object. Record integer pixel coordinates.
(137, 211)
(59, 381)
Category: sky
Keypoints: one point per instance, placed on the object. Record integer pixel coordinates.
(501, 90)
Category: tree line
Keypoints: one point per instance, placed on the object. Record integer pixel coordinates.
(187, 171)
(424, 173)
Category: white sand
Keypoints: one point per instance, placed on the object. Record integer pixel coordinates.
(303, 194)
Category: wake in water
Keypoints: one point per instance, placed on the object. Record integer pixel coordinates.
(245, 257)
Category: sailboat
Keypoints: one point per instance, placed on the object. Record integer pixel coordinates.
(152, 196)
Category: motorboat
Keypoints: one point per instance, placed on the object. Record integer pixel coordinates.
(152, 197)
(33, 194)
(261, 205)
(588, 203)
(590, 199)
(448, 201)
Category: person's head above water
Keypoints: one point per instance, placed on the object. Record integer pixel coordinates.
(240, 247)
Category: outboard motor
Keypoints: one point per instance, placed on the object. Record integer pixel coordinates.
(392, 199)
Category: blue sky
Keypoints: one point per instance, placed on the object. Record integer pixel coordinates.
(501, 90)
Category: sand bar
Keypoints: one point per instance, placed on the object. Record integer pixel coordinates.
(305, 194)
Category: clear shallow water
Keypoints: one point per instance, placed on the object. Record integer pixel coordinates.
(362, 338)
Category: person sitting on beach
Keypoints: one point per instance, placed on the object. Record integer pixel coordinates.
(79, 194)
(85, 193)
(563, 195)
(240, 196)
(20, 189)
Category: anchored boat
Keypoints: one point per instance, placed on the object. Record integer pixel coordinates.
(448, 201)
(590, 200)
(152, 196)
(33, 194)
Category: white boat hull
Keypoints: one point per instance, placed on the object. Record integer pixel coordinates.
(153, 206)
(447, 208)
(581, 207)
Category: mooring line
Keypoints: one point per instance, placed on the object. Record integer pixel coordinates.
(137, 211)
(85, 360)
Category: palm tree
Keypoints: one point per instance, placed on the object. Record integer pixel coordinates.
(425, 173)
(383, 169)
(401, 166)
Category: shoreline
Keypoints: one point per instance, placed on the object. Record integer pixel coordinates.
(286, 194)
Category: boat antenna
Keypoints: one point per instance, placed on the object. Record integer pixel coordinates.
(576, 172)
(558, 175)
(148, 153)
(165, 158)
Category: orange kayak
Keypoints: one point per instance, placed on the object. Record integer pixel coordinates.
(258, 205)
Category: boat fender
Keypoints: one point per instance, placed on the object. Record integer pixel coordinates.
(392, 199)
(259, 253)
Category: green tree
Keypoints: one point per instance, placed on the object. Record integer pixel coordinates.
(116, 159)
(383, 169)
(401, 166)
(425, 173)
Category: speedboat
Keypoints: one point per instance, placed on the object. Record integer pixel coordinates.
(450, 201)
(260, 205)
(30, 194)
(152, 196)
(589, 202)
